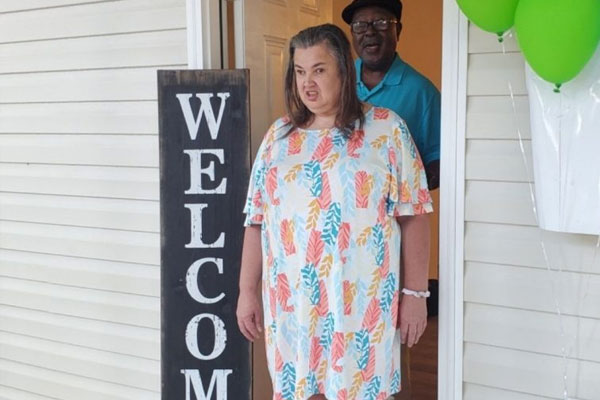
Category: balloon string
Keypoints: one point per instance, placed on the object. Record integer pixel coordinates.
(553, 277)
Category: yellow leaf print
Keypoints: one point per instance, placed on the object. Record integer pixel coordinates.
(331, 160)
(300, 387)
(364, 236)
(380, 141)
(356, 384)
(325, 266)
(292, 173)
(322, 372)
(313, 214)
(378, 334)
(406, 194)
(374, 287)
(314, 318)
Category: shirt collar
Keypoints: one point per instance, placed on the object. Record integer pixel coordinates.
(392, 77)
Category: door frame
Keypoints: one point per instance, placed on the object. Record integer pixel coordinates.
(452, 202)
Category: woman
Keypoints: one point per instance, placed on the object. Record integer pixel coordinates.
(333, 185)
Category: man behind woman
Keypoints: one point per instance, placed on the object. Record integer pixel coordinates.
(334, 186)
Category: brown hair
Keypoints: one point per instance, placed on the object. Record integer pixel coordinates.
(350, 108)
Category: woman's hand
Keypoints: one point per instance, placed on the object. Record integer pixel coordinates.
(413, 319)
(250, 314)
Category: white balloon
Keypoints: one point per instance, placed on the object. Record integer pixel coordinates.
(565, 130)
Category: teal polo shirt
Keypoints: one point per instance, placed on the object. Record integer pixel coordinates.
(414, 98)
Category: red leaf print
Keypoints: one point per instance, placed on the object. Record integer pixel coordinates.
(368, 372)
(283, 292)
(361, 185)
(355, 142)
(316, 350)
(338, 348)
(325, 199)
(278, 360)
(385, 266)
(380, 113)
(394, 308)
(273, 302)
(372, 315)
(315, 248)
(344, 238)
(323, 307)
(382, 396)
(392, 156)
(287, 237)
(321, 387)
(342, 395)
(424, 196)
(418, 209)
(257, 199)
(295, 143)
(347, 298)
(271, 185)
(279, 396)
(381, 211)
(323, 149)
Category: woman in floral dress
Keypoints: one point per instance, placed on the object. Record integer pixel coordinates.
(334, 185)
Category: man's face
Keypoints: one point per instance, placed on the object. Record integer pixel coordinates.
(375, 48)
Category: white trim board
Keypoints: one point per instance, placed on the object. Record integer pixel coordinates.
(452, 198)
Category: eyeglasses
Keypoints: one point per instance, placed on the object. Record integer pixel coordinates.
(378, 25)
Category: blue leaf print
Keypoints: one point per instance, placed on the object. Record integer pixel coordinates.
(361, 341)
(311, 380)
(388, 293)
(327, 335)
(378, 242)
(373, 388)
(347, 178)
(339, 140)
(395, 386)
(312, 169)
(332, 224)
(288, 381)
(311, 283)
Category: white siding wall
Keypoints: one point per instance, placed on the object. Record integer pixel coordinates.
(79, 212)
(512, 348)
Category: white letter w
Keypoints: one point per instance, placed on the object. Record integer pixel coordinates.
(205, 108)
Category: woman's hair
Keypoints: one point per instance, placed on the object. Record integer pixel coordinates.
(350, 107)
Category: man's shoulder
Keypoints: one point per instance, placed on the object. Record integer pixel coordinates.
(418, 81)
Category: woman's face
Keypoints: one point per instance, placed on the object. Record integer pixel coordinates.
(317, 79)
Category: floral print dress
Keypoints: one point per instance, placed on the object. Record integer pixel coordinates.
(327, 206)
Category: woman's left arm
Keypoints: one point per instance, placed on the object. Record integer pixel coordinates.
(415, 262)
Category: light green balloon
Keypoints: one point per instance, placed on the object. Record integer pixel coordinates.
(496, 16)
(558, 37)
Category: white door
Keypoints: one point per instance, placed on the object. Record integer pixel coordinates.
(261, 46)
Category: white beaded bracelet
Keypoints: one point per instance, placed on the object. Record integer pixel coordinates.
(416, 293)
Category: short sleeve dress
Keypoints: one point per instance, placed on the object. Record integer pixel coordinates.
(327, 206)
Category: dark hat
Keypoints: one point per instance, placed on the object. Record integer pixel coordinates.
(393, 6)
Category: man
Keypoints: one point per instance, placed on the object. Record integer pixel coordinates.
(384, 80)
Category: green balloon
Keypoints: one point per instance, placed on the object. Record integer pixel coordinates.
(496, 16)
(558, 37)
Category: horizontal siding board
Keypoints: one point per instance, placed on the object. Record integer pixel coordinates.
(536, 374)
(499, 160)
(8, 393)
(109, 367)
(92, 274)
(522, 245)
(499, 202)
(123, 117)
(102, 244)
(112, 51)
(100, 335)
(89, 181)
(534, 331)
(494, 117)
(131, 84)
(93, 19)
(107, 150)
(486, 42)
(134, 215)
(77, 302)
(63, 386)
(494, 74)
(477, 392)
(536, 289)
(28, 5)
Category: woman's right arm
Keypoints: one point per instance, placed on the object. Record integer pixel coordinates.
(249, 308)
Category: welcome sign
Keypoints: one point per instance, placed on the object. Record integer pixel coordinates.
(204, 168)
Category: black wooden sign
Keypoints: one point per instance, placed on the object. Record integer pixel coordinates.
(204, 169)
